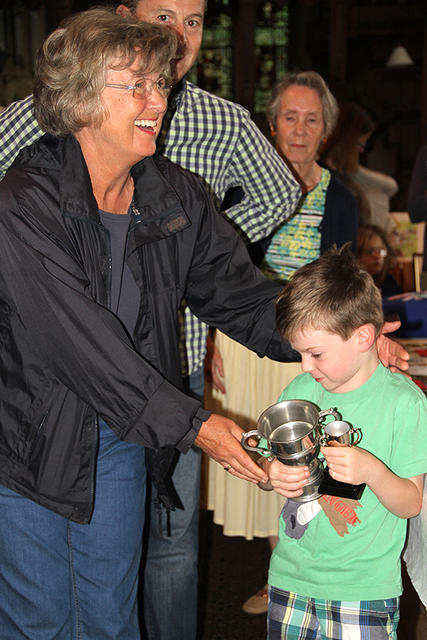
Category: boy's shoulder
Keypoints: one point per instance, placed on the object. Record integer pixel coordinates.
(400, 389)
(303, 383)
(403, 387)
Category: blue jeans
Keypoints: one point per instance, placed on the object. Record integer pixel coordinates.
(171, 575)
(60, 580)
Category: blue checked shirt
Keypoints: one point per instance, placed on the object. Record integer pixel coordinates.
(215, 139)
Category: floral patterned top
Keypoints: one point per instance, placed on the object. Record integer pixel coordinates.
(297, 242)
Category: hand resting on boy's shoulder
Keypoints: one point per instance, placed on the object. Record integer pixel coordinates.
(390, 352)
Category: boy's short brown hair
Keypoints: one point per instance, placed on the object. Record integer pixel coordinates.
(330, 294)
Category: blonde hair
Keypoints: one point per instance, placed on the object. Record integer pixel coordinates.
(72, 64)
(333, 294)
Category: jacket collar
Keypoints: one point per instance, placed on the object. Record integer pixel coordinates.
(159, 207)
(154, 198)
(75, 188)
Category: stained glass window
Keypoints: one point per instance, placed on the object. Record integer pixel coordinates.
(271, 55)
(214, 69)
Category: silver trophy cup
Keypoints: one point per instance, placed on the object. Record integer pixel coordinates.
(290, 431)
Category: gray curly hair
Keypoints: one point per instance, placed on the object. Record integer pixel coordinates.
(72, 64)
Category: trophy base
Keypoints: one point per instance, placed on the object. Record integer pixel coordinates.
(332, 487)
(314, 494)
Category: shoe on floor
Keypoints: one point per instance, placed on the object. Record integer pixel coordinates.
(258, 603)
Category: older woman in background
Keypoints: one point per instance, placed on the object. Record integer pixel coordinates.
(302, 113)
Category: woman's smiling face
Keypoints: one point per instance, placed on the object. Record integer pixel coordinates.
(132, 123)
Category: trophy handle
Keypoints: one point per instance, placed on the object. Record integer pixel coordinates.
(357, 434)
(322, 414)
(323, 441)
(329, 412)
(264, 451)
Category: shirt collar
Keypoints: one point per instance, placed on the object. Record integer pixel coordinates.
(177, 94)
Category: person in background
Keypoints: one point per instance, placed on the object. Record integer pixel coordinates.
(341, 153)
(95, 258)
(302, 113)
(417, 202)
(217, 140)
(336, 570)
(376, 257)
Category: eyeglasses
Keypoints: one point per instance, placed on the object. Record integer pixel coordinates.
(144, 87)
(376, 250)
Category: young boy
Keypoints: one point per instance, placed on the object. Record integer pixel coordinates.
(335, 572)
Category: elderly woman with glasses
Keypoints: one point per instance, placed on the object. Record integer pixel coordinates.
(100, 242)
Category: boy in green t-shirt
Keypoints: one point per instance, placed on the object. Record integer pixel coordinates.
(335, 572)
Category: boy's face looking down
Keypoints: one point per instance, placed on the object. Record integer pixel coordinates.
(184, 16)
(338, 365)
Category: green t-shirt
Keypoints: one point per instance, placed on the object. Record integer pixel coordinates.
(340, 549)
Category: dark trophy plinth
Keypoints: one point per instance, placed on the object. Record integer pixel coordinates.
(332, 487)
(340, 433)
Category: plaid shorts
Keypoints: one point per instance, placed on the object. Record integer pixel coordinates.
(292, 617)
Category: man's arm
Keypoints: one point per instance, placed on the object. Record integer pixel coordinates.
(18, 128)
(271, 193)
(225, 290)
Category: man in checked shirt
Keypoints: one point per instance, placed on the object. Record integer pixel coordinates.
(217, 140)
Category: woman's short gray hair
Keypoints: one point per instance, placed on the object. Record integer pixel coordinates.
(72, 64)
(314, 81)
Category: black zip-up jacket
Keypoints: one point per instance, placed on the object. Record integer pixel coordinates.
(66, 359)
